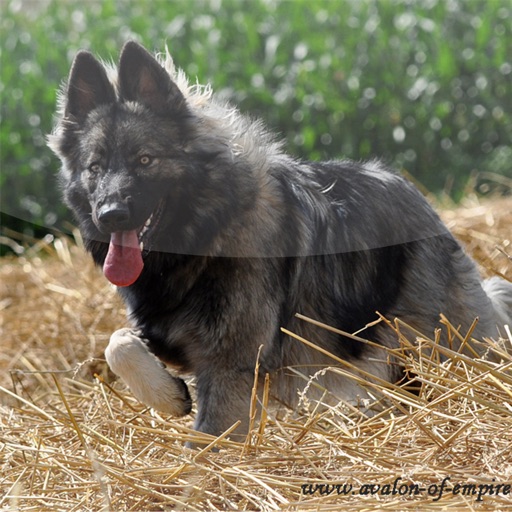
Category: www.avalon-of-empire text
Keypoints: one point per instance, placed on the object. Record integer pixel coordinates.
(400, 488)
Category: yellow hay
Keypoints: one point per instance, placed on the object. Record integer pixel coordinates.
(73, 438)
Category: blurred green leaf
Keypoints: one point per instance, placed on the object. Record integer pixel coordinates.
(332, 77)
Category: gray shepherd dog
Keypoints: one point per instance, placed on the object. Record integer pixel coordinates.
(216, 238)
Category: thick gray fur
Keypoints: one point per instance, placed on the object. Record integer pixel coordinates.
(243, 236)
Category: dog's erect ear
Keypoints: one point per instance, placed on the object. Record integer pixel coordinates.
(88, 86)
(143, 79)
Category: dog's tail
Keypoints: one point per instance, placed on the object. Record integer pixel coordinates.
(499, 292)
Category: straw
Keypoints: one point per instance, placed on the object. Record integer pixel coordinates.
(72, 437)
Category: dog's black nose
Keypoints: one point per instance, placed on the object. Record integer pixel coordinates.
(113, 216)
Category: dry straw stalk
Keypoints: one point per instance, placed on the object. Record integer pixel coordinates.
(73, 438)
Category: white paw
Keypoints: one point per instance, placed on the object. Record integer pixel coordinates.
(129, 358)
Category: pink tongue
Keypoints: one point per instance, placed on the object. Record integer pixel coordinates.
(123, 263)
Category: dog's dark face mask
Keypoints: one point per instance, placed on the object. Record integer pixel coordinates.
(123, 153)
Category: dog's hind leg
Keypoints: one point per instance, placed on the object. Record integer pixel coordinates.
(128, 356)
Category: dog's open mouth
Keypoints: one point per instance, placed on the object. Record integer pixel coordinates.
(123, 263)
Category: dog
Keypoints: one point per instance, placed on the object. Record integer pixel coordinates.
(216, 238)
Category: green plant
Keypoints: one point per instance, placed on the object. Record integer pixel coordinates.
(425, 85)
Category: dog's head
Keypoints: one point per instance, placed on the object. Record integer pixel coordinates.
(135, 169)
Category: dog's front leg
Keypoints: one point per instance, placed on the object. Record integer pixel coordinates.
(128, 356)
(223, 398)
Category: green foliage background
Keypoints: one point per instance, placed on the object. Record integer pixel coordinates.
(425, 85)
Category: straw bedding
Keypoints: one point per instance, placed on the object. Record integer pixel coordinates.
(73, 438)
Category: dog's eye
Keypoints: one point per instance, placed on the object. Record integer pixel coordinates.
(95, 167)
(145, 160)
